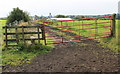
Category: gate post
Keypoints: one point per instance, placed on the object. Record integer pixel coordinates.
(43, 34)
(113, 29)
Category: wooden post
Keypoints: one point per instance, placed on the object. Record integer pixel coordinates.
(62, 32)
(6, 36)
(16, 29)
(43, 34)
(82, 24)
(23, 34)
(38, 33)
(96, 30)
(113, 31)
(79, 28)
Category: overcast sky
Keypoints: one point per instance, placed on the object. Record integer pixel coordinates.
(65, 7)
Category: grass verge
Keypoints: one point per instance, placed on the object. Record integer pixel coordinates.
(112, 43)
(23, 54)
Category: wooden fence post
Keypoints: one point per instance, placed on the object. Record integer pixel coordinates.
(23, 34)
(113, 31)
(16, 30)
(96, 30)
(38, 27)
(6, 37)
(43, 33)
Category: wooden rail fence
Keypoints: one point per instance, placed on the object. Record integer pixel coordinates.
(40, 34)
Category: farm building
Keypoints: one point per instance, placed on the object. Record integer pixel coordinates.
(56, 19)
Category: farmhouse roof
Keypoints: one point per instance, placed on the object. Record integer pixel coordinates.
(60, 19)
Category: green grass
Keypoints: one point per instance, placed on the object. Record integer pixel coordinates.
(112, 43)
(2, 23)
(22, 53)
(108, 42)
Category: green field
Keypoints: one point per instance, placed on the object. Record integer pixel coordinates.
(88, 32)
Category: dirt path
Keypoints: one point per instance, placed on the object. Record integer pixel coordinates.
(84, 56)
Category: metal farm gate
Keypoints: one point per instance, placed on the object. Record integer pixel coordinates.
(63, 31)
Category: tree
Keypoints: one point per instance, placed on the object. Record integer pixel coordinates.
(17, 15)
(82, 16)
(60, 16)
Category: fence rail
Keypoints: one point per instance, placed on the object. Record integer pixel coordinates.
(40, 34)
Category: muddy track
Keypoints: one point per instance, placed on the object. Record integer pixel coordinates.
(84, 56)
